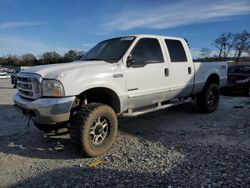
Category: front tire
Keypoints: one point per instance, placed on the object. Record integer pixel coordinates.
(208, 100)
(94, 128)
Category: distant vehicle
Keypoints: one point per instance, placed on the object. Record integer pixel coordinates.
(4, 75)
(14, 76)
(7, 70)
(14, 80)
(238, 80)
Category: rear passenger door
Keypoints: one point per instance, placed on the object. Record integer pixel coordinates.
(146, 80)
(181, 70)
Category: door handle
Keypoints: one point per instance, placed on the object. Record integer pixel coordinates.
(166, 71)
(189, 70)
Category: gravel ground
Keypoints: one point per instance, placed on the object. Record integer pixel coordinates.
(176, 147)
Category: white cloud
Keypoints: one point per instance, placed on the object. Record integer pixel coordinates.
(9, 25)
(178, 14)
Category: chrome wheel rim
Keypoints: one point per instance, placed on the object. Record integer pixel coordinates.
(211, 98)
(99, 130)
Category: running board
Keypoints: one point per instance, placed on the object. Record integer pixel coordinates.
(145, 111)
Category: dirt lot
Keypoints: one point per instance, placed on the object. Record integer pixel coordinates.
(174, 147)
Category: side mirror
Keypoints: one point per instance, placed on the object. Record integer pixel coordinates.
(130, 61)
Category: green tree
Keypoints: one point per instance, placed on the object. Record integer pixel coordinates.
(71, 55)
(12, 60)
(51, 57)
(28, 60)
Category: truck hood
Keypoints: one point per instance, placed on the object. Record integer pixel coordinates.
(54, 71)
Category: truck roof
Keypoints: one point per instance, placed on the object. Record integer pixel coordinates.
(148, 35)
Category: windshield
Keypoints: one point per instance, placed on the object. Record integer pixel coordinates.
(109, 50)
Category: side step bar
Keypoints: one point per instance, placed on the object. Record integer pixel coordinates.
(159, 107)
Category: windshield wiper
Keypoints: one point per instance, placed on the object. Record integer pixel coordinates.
(97, 59)
(94, 59)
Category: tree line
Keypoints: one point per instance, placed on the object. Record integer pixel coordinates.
(229, 46)
(46, 58)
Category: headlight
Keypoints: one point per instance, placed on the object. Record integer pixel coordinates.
(53, 88)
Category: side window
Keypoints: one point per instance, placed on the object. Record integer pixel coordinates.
(146, 51)
(176, 50)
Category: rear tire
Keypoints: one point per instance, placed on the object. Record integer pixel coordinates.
(208, 100)
(93, 129)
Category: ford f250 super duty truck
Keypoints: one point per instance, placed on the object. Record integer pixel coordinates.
(123, 76)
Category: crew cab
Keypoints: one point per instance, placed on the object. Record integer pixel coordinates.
(123, 76)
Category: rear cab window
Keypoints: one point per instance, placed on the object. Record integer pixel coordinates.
(176, 50)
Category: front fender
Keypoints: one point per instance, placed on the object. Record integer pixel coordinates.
(78, 85)
(116, 86)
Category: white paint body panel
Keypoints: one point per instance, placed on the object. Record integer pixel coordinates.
(205, 69)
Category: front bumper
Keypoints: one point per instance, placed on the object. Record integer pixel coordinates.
(45, 110)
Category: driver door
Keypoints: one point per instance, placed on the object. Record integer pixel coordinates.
(146, 74)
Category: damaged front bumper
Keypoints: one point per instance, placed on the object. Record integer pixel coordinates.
(45, 110)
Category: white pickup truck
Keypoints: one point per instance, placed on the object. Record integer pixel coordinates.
(123, 76)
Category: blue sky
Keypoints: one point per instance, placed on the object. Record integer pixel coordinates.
(29, 26)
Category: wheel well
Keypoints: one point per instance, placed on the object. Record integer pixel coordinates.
(101, 95)
(213, 78)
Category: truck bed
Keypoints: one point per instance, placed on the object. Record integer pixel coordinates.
(205, 69)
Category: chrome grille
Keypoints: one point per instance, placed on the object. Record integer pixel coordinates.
(29, 85)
